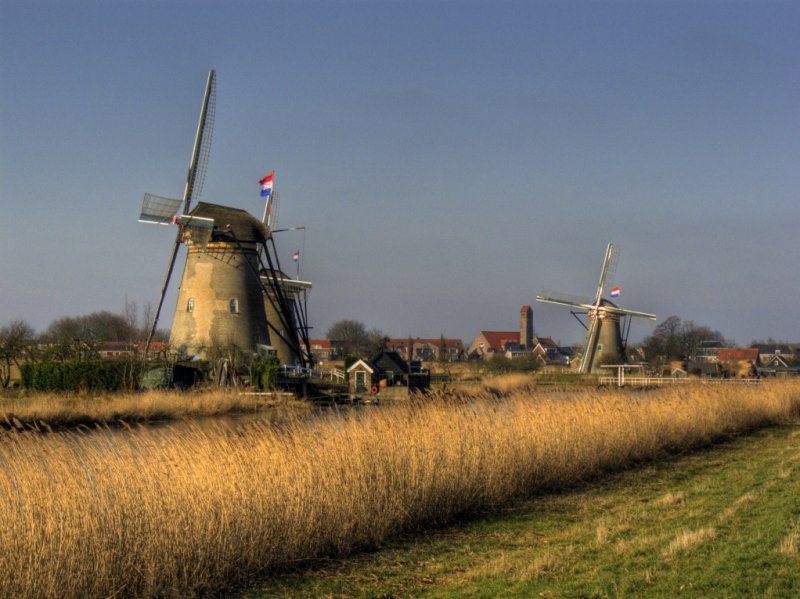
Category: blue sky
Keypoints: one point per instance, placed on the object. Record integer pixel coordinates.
(449, 159)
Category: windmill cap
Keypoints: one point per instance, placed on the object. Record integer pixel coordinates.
(245, 226)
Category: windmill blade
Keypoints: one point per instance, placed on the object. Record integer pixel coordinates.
(187, 220)
(175, 247)
(563, 299)
(609, 266)
(157, 210)
(591, 345)
(194, 181)
(202, 143)
(623, 311)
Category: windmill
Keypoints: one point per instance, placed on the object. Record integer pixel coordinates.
(605, 342)
(231, 271)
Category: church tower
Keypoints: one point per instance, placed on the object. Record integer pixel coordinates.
(526, 327)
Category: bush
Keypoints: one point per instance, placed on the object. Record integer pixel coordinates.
(264, 372)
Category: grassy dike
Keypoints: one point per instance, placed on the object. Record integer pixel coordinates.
(720, 522)
(195, 511)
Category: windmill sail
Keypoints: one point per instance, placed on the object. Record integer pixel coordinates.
(157, 210)
(194, 180)
(202, 144)
(591, 344)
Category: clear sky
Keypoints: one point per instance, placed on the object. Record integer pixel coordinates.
(449, 159)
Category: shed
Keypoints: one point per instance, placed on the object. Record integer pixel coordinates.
(363, 376)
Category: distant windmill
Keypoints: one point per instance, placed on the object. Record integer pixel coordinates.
(232, 291)
(604, 339)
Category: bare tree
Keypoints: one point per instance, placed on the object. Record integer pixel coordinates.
(16, 342)
(351, 337)
(676, 339)
(131, 314)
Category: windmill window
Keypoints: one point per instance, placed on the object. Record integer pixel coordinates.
(190, 305)
(233, 305)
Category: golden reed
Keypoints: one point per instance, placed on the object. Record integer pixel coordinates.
(181, 510)
(45, 410)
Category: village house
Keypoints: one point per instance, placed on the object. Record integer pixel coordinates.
(767, 351)
(739, 362)
(490, 343)
(322, 349)
(109, 350)
(515, 343)
(519, 344)
(709, 351)
(116, 349)
(778, 366)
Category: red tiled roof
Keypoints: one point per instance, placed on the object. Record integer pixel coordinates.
(320, 343)
(733, 354)
(497, 340)
(155, 346)
(547, 342)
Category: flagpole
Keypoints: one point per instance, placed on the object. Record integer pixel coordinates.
(266, 210)
(266, 185)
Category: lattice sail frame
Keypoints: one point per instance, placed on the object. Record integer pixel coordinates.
(158, 210)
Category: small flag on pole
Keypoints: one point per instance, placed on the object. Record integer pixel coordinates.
(266, 184)
(616, 291)
(296, 255)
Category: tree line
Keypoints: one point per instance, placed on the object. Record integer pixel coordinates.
(676, 339)
(71, 337)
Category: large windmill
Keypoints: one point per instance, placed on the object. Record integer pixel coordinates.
(231, 273)
(605, 343)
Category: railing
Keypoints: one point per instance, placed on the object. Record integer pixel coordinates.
(658, 381)
(334, 374)
(287, 370)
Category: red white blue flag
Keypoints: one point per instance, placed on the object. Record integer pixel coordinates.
(296, 255)
(266, 184)
(616, 291)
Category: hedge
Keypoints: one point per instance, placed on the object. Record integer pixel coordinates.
(74, 375)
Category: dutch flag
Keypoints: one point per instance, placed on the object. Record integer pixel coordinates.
(615, 292)
(266, 184)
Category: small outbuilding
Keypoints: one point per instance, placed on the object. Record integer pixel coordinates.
(363, 378)
(384, 374)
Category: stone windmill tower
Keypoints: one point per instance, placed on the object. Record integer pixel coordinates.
(220, 301)
(605, 342)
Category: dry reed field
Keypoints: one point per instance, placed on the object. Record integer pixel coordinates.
(185, 511)
(43, 410)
